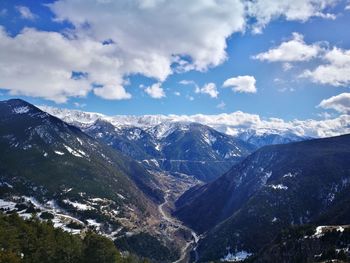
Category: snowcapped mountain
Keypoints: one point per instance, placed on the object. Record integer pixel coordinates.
(260, 139)
(178, 147)
(176, 143)
(236, 123)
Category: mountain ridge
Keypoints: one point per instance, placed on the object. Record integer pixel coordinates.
(275, 187)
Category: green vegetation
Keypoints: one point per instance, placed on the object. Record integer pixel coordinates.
(32, 241)
(146, 246)
(298, 244)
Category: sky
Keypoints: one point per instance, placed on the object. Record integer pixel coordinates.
(287, 59)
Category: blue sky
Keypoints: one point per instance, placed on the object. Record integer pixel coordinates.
(282, 87)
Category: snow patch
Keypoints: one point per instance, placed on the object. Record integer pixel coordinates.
(73, 152)
(278, 186)
(121, 196)
(59, 153)
(7, 204)
(237, 257)
(289, 175)
(80, 141)
(21, 110)
(79, 206)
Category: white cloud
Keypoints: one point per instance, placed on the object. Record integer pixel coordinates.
(292, 10)
(154, 38)
(197, 29)
(208, 88)
(291, 51)
(56, 57)
(79, 105)
(337, 70)
(340, 103)
(347, 7)
(155, 91)
(242, 84)
(25, 12)
(177, 93)
(187, 82)
(221, 105)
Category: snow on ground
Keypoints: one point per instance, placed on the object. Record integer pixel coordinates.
(231, 154)
(134, 135)
(78, 205)
(209, 138)
(289, 175)
(6, 184)
(59, 153)
(278, 186)
(237, 257)
(92, 222)
(80, 141)
(121, 196)
(321, 230)
(73, 152)
(21, 110)
(7, 204)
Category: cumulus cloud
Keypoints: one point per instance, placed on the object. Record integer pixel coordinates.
(197, 29)
(111, 40)
(292, 10)
(242, 84)
(155, 91)
(208, 88)
(340, 103)
(25, 12)
(291, 51)
(335, 72)
(56, 67)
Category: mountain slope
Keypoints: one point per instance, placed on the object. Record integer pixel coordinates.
(188, 148)
(44, 143)
(307, 243)
(269, 138)
(56, 170)
(275, 187)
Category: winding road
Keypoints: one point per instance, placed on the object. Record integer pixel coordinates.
(190, 245)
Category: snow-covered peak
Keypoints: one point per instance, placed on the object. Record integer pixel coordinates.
(73, 116)
(236, 123)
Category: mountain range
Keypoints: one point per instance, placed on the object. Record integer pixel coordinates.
(162, 187)
(172, 144)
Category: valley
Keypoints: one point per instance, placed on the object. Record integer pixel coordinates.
(170, 191)
(174, 131)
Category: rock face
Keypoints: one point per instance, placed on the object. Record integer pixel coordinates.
(273, 188)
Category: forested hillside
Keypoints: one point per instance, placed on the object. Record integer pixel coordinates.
(32, 241)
